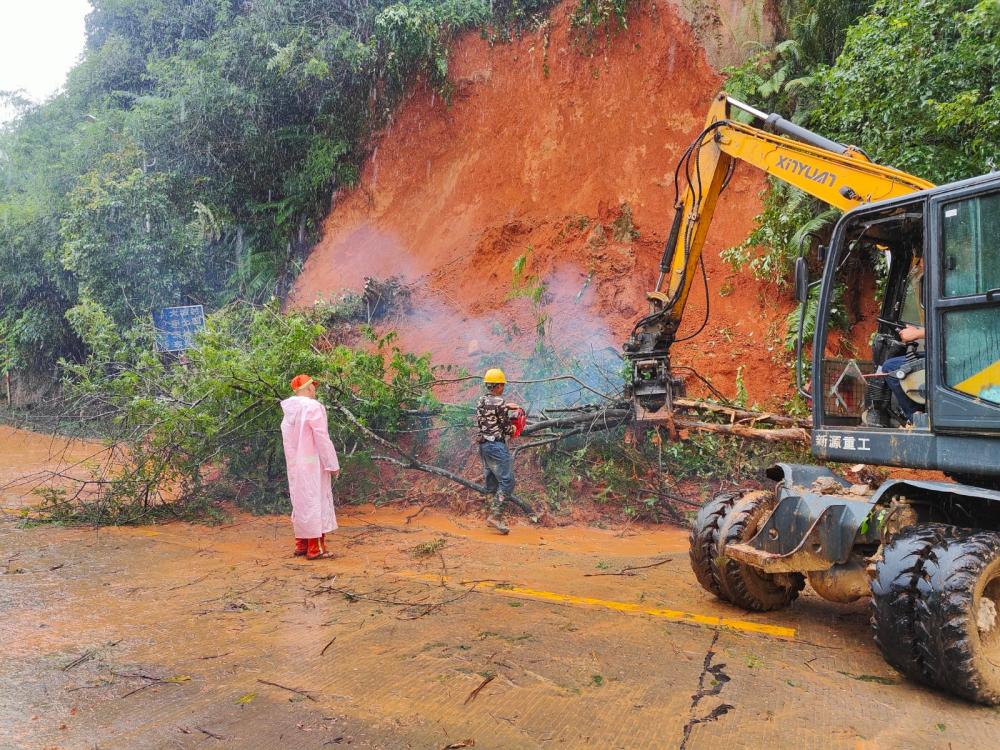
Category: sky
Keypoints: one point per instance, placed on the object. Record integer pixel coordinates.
(40, 40)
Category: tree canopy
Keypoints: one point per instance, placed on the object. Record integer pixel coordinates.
(196, 146)
(916, 87)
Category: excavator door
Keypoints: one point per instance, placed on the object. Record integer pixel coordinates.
(965, 279)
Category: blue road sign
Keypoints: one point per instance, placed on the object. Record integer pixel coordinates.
(175, 327)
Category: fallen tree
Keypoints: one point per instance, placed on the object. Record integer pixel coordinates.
(182, 432)
(406, 460)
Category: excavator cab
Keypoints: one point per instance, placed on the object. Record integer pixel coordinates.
(939, 251)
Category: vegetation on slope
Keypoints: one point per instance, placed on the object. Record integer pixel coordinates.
(911, 82)
(196, 147)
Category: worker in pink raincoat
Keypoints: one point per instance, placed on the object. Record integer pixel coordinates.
(312, 463)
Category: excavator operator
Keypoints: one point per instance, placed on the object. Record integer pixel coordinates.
(891, 367)
(897, 370)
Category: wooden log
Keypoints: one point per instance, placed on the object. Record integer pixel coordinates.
(777, 435)
(604, 419)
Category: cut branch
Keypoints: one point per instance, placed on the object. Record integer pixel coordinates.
(472, 696)
(289, 689)
(788, 434)
(604, 419)
(741, 414)
(630, 569)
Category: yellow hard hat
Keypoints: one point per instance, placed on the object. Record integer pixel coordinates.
(494, 375)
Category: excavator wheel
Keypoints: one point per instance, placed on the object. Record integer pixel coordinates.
(743, 584)
(957, 618)
(704, 539)
(727, 518)
(895, 594)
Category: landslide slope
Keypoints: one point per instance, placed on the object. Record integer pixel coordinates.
(565, 156)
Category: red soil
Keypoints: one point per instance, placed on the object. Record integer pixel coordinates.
(541, 145)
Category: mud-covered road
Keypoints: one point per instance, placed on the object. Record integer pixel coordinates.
(428, 632)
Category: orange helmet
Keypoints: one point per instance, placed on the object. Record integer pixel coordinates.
(301, 381)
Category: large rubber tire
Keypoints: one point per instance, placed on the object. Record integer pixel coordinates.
(957, 622)
(895, 594)
(743, 584)
(704, 539)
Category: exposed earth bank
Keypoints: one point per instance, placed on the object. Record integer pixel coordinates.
(564, 154)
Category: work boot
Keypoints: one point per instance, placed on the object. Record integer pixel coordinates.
(301, 546)
(874, 418)
(497, 524)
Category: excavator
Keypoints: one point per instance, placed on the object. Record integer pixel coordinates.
(926, 552)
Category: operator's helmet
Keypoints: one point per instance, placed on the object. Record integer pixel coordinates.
(494, 375)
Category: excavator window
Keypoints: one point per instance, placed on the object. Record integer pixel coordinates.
(878, 287)
(970, 256)
(971, 246)
(912, 309)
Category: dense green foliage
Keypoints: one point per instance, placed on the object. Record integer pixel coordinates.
(782, 80)
(815, 32)
(196, 146)
(916, 87)
(913, 83)
(183, 430)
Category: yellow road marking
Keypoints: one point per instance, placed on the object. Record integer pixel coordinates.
(775, 631)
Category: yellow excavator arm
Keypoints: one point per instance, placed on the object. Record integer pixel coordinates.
(842, 176)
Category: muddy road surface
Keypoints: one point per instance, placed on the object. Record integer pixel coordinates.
(428, 632)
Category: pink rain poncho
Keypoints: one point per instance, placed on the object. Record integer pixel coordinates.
(310, 457)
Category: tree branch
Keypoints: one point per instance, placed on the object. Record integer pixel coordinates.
(790, 434)
(605, 418)
(742, 414)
